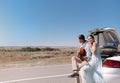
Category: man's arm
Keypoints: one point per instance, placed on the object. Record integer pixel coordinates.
(88, 51)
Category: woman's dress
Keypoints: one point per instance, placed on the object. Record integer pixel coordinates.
(91, 72)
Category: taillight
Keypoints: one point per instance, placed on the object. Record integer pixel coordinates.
(111, 63)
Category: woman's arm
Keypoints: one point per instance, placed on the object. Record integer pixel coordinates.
(93, 50)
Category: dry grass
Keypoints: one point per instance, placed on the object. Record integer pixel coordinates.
(15, 57)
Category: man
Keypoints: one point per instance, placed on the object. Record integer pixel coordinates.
(77, 61)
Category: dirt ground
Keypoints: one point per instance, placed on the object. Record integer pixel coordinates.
(35, 56)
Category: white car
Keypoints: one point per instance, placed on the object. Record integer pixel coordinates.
(109, 42)
(111, 69)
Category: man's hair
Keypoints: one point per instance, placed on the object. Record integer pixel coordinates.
(81, 36)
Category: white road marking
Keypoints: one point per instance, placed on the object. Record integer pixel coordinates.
(26, 79)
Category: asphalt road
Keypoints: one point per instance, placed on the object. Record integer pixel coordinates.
(39, 74)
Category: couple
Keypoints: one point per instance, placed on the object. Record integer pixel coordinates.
(89, 63)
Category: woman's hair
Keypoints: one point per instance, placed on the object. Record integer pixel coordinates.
(90, 36)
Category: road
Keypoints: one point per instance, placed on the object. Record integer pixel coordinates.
(39, 74)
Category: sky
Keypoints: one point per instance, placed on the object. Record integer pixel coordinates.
(54, 22)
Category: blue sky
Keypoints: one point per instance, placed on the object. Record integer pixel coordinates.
(54, 22)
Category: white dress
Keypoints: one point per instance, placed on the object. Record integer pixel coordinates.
(91, 72)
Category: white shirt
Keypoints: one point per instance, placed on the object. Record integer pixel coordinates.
(87, 49)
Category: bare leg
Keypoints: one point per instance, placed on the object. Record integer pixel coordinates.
(77, 80)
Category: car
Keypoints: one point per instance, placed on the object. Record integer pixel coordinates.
(111, 69)
(109, 43)
(108, 40)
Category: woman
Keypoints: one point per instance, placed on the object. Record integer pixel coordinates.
(91, 72)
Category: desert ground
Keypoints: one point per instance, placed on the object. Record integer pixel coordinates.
(35, 56)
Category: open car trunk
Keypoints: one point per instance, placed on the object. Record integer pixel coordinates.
(108, 40)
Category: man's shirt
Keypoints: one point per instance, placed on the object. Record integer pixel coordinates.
(87, 49)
